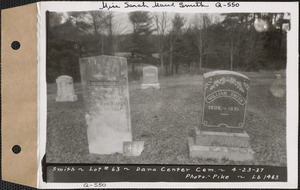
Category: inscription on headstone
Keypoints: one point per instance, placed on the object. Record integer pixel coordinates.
(150, 77)
(224, 109)
(225, 99)
(105, 89)
(65, 89)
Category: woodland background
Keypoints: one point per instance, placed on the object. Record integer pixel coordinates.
(175, 43)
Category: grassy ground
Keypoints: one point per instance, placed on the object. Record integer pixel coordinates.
(164, 119)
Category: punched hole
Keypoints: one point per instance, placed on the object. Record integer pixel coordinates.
(15, 45)
(16, 149)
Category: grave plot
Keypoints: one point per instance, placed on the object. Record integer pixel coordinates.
(221, 133)
(164, 119)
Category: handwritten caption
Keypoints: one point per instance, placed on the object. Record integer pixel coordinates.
(97, 176)
(197, 4)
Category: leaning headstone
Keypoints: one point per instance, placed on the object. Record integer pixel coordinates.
(221, 134)
(65, 89)
(150, 77)
(105, 89)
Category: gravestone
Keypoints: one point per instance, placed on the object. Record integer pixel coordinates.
(65, 89)
(221, 134)
(134, 148)
(105, 89)
(278, 87)
(150, 78)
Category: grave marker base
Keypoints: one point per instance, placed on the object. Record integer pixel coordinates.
(153, 86)
(207, 138)
(66, 99)
(219, 152)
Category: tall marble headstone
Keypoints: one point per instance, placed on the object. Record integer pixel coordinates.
(65, 89)
(150, 77)
(105, 89)
(221, 134)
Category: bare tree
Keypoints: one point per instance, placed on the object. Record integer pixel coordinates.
(200, 27)
(162, 22)
(113, 26)
(234, 37)
(92, 22)
(176, 31)
(98, 23)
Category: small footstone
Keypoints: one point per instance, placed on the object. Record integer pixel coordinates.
(133, 148)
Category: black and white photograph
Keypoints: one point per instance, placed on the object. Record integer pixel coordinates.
(150, 94)
(166, 88)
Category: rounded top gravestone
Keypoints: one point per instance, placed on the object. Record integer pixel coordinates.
(65, 89)
(150, 75)
(225, 99)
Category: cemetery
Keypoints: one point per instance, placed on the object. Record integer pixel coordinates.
(181, 107)
(164, 120)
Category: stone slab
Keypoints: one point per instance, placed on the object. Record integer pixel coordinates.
(150, 75)
(151, 86)
(207, 138)
(104, 81)
(133, 148)
(219, 152)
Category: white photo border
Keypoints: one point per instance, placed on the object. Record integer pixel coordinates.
(291, 80)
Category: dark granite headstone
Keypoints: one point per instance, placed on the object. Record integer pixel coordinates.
(105, 90)
(221, 134)
(225, 99)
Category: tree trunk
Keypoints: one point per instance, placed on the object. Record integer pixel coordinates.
(200, 55)
(171, 58)
(162, 62)
(231, 62)
(200, 63)
(133, 67)
(102, 46)
(166, 68)
(231, 56)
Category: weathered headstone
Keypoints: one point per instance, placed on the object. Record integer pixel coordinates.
(105, 89)
(150, 77)
(65, 89)
(278, 87)
(223, 118)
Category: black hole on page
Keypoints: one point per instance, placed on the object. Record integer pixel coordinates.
(16, 149)
(15, 45)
